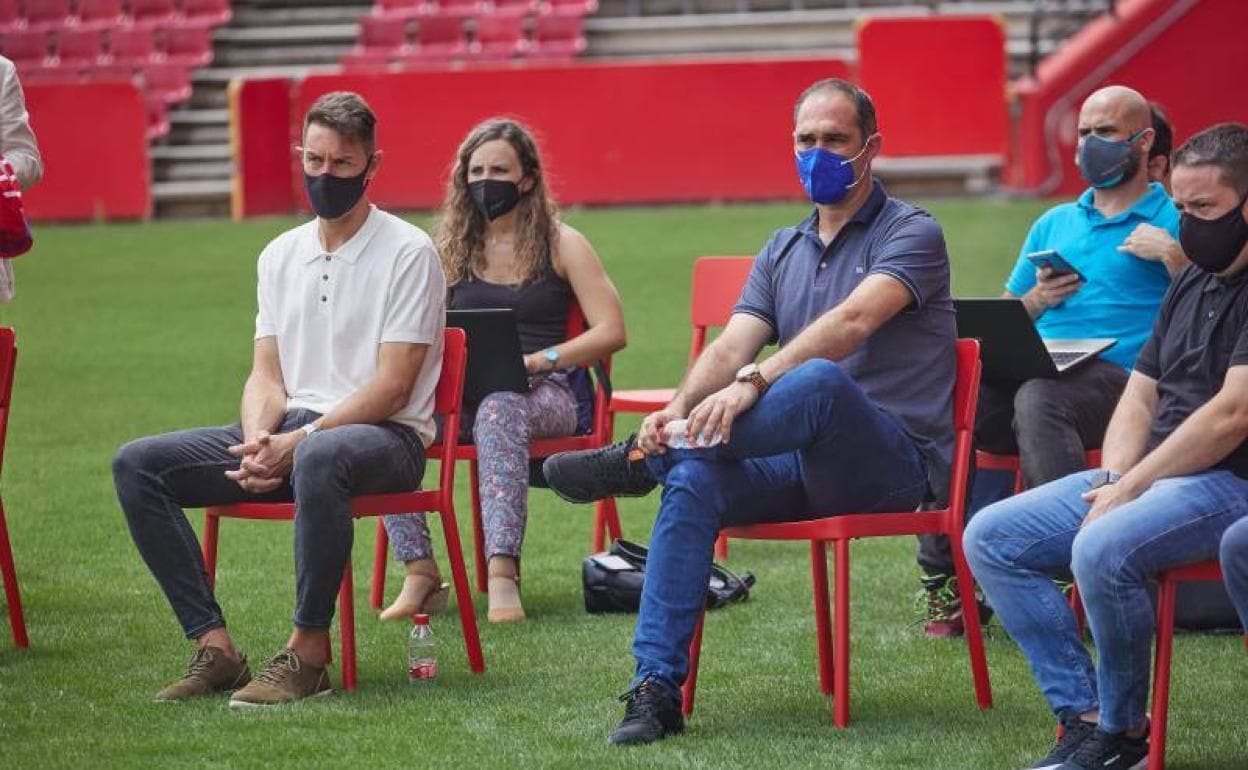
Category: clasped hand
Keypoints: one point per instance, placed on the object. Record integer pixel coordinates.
(266, 460)
(711, 419)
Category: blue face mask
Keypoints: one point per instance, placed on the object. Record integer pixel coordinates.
(1106, 163)
(827, 176)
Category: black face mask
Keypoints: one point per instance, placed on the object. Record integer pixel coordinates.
(494, 197)
(332, 196)
(1213, 244)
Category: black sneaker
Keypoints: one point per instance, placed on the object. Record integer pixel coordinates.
(1109, 751)
(651, 713)
(588, 475)
(1075, 732)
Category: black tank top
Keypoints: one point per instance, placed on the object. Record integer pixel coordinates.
(541, 305)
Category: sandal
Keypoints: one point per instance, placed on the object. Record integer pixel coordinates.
(422, 593)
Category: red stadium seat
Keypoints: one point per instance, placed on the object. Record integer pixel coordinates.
(168, 81)
(404, 9)
(79, 48)
(157, 116)
(100, 14)
(152, 13)
(135, 46)
(460, 9)
(47, 14)
(383, 34)
(499, 37)
(512, 7)
(27, 48)
(210, 13)
(189, 46)
(10, 16)
(569, 7)
(558, 37)
(439, 38)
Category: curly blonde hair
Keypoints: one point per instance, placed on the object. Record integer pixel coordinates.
(460, 234)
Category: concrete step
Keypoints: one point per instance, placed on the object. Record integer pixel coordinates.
(191, 152)
(177, 171)
(275, 55)
(202, 198)
(199, 126)
(277, 17)
(299, 34)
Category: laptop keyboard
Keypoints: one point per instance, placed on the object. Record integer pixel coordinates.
(1063, 357)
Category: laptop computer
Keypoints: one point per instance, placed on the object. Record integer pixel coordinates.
(1012, 349)
(494, 359)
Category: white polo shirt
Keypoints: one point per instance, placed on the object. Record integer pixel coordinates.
(331, 310)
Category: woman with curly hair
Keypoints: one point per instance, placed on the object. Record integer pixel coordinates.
(502, 244)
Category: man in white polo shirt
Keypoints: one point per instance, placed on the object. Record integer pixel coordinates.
(339, 403)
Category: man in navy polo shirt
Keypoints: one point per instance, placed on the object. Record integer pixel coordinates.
(1108, 236)
(852, 413)
(1175, 479)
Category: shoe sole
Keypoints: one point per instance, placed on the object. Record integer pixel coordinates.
(242, 704)
(587, 501)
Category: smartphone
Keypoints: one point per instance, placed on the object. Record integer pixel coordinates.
(1051, 259)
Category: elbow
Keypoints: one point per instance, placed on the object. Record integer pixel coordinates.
(395, 396)
(618, 338)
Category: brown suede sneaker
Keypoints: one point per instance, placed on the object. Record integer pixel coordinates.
(285, 679)
(210, 671)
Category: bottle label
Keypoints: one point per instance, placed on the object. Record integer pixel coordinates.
(422, 669)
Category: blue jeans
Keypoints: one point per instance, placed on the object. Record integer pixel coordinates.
(814, 445)
(1017, 545)
(159, 475)
(1233, 554)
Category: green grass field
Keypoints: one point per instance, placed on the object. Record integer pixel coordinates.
(127, 330)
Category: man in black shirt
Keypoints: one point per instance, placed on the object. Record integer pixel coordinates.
(1175, 478)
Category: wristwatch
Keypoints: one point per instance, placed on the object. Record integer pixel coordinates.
(310, 428)
(552, 357)
(1104, 478)
(750, 373)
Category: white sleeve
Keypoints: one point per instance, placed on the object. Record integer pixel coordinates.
(17, 140)
(266, 317)
(416, 308)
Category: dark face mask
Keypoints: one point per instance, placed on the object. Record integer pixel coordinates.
(494, 197)
(1106, 163)
(332, 196)
(1213, 244)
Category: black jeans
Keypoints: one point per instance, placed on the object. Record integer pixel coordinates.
(1048, 423)
(158, 476)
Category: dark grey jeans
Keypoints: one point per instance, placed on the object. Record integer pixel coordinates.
(1048, 423)
(158, 476)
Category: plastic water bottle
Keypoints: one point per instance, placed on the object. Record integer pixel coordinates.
(676, 436)
(422, 661)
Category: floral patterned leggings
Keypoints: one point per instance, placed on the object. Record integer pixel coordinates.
(503, 426)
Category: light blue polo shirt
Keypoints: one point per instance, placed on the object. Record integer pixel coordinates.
(1122, 293)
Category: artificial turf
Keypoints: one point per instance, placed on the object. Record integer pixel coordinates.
(132, 329)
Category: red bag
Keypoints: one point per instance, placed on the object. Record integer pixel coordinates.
(15, 235)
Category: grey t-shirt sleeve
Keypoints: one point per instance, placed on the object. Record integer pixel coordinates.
(1148, 361)
(913, 252)
(758, 298)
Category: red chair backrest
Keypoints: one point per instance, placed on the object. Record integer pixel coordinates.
(132, 43)
(25, 46)
(47, 11)
(383, 31)
(188, 40)
(142, 9)
(965, 402)
(451, 381)
(80, 43)
(9, 12)
(548, 28)
(8, 365)
(99, 10)
(717, 285)
(440, 29)
(500, 29)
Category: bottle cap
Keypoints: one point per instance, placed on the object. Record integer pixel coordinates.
(420, 620)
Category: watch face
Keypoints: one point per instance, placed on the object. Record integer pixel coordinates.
(552, 355)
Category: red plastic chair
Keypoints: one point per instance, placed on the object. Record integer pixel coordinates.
(1167, 588)
(558, 37)
(189, 47)
(168, 81)
(79, 48)
(570, 7)
(499, 37)
(152, 13)
(839, 530)
(439, 38)
(399, 9)
(383, 35)
(17, 620)
(100, 14)
(135, 46)
(458, 9)
(987, 461)
(512, 7)
(441, 499)
(212, 13)
(46, 15)
(717, 284)
(10, 16)
(27, 48)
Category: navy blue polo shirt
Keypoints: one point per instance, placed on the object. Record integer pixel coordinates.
(907, 366)
(1201, 332)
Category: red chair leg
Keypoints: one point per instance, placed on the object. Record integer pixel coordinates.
(17, 618)
(840, 648)
(721, 547)
(1076, 606)
(478, 530)
(1166, 590)
(463, 591)
(378, 589)
(606, 524)
(823, 615)
(212, 527)
(690, 687)
(614, 528)
(971, 622)
(1019, 486)
(346, 627)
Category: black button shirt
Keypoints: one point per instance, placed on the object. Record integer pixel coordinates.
(1201, 332)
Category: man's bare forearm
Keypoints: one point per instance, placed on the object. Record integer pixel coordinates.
(715, 368)
(263, 405)
(1200, 442)
(1126, 437)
